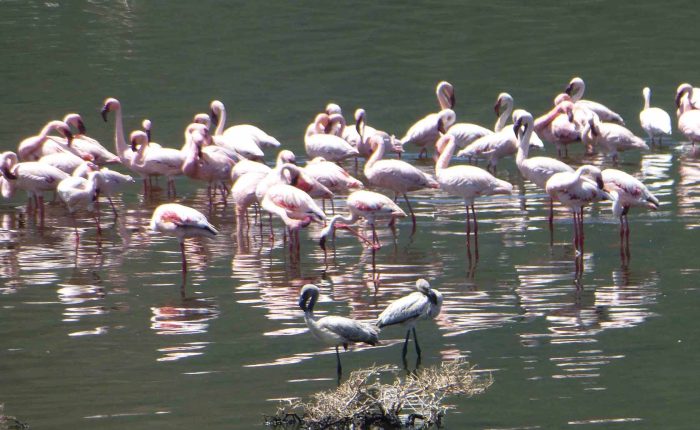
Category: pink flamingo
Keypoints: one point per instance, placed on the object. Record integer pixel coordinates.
(575, 90)
(111, 183)
(364, 204)
(77, 192)
(65, 161)
(445, 93)
(246, 166)
(626, 191)
(693, 94)
(537, 170)
(395, 175)
(205, 163)
(294, 206)
(332, 176)
(557, 126)
(182, 222)
(243, 194)
(35, 147)
(689, 115)
(576, 191)
(32, 176)
(426, 131)
(467, 182)
(247, 140)
(358, 136)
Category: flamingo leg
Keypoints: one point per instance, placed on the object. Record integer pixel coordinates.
(581, 228)
(413, 216)
(114, 208)
(184, 259)
(404, 351)
(339, 368)
(476, 234)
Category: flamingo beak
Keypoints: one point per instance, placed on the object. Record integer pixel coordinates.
(441, 126)
(69, 137)
(104, 111)
(569, 89)
(81, 127)
(570, 115)
(497, 107)
(453, 101)
(214, 118)
(322, 243)
(7, 174)
(678, 99)
(133, 145)
(600, 182)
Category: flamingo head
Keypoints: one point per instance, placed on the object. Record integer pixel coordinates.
(446, 94)
(137, 138)
(307, 297)
(333, 108)
(75, 120)
(110, 104)
(681, 91)
(64, 130)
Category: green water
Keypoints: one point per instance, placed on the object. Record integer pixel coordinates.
(103, 338)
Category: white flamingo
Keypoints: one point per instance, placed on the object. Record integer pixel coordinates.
(467, 182)
(332, 147)
(112, 181)
(689, 115)
(693, 98)
(611, 138)
(88, 145)
(35, 147)
(425, 303)
(576, 88)
(206, 163)
(65, 161)
(502, 142)
(247, 166)
(426, 131)
(334, 330)
(243, 138)
(395, 175)
(182, 222)
(31, 176)
(78, 193)
(576, 191)
(655, 121)
(156, 160)
(626, 192)
(537, 170)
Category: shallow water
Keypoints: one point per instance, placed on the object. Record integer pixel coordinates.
(103, 335)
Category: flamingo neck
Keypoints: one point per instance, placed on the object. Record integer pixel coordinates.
(524, 146)
(445, 156)
(377, 155)
(503, 117)
(119, 140)
(544, 120)
(190, 166)
(221, 123)
(577, 94)
(647, 99)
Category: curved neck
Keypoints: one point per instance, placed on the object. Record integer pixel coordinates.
(222, 121)
(544, 120)
(524, 145)
(503, 117)
(119, 141)
(376, 156)
(189, 164)
(444, 160)
(577, 94)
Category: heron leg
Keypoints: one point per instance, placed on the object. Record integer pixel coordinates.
(415, 338)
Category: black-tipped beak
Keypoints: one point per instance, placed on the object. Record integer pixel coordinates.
(302, 303)
(8, 175)
(69, 137)
(497, 107)
(322, 243)
(441, 126)
(133, 145)
(214, 118)
(594, 131)
(81, 127)
(570, 115)
(600, 182)
(453, 101)
(104, 111)
(148, 135)
(678, 99)
(569, 89)
(516, 126)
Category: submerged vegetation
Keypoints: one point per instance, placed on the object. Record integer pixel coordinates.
(363, 401)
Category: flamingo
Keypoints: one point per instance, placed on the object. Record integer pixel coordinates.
(78, 192)
(35, 147)
(693, 97)
(329, 146)
(537, 170)
(467, 133)
(65, 161)
(32, 176)
(689, 116)
(445, 93)
(334, 330)
(332, 176)
(205, 163)
(502, 142)
(557, 126)
(294, 175)
(655, 121)
(576, 88)
(425, 303)
(359, 135)
(243, 138)
(467, 182)
(246, 166)
(427, 130)
(111, 183)
(294, 206)
(627, 191)
(88, 145)
(182, 222)
(395, 175)
(576, 191)
(611, 138)
(368, 205)
(243, 193)
(156, 160)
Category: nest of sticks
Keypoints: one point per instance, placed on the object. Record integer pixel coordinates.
(363, 401)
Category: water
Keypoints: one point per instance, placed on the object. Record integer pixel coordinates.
(105, 337)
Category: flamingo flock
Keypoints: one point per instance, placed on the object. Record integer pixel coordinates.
(63, 159)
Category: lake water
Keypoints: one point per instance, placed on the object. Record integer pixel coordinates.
(105, 338)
